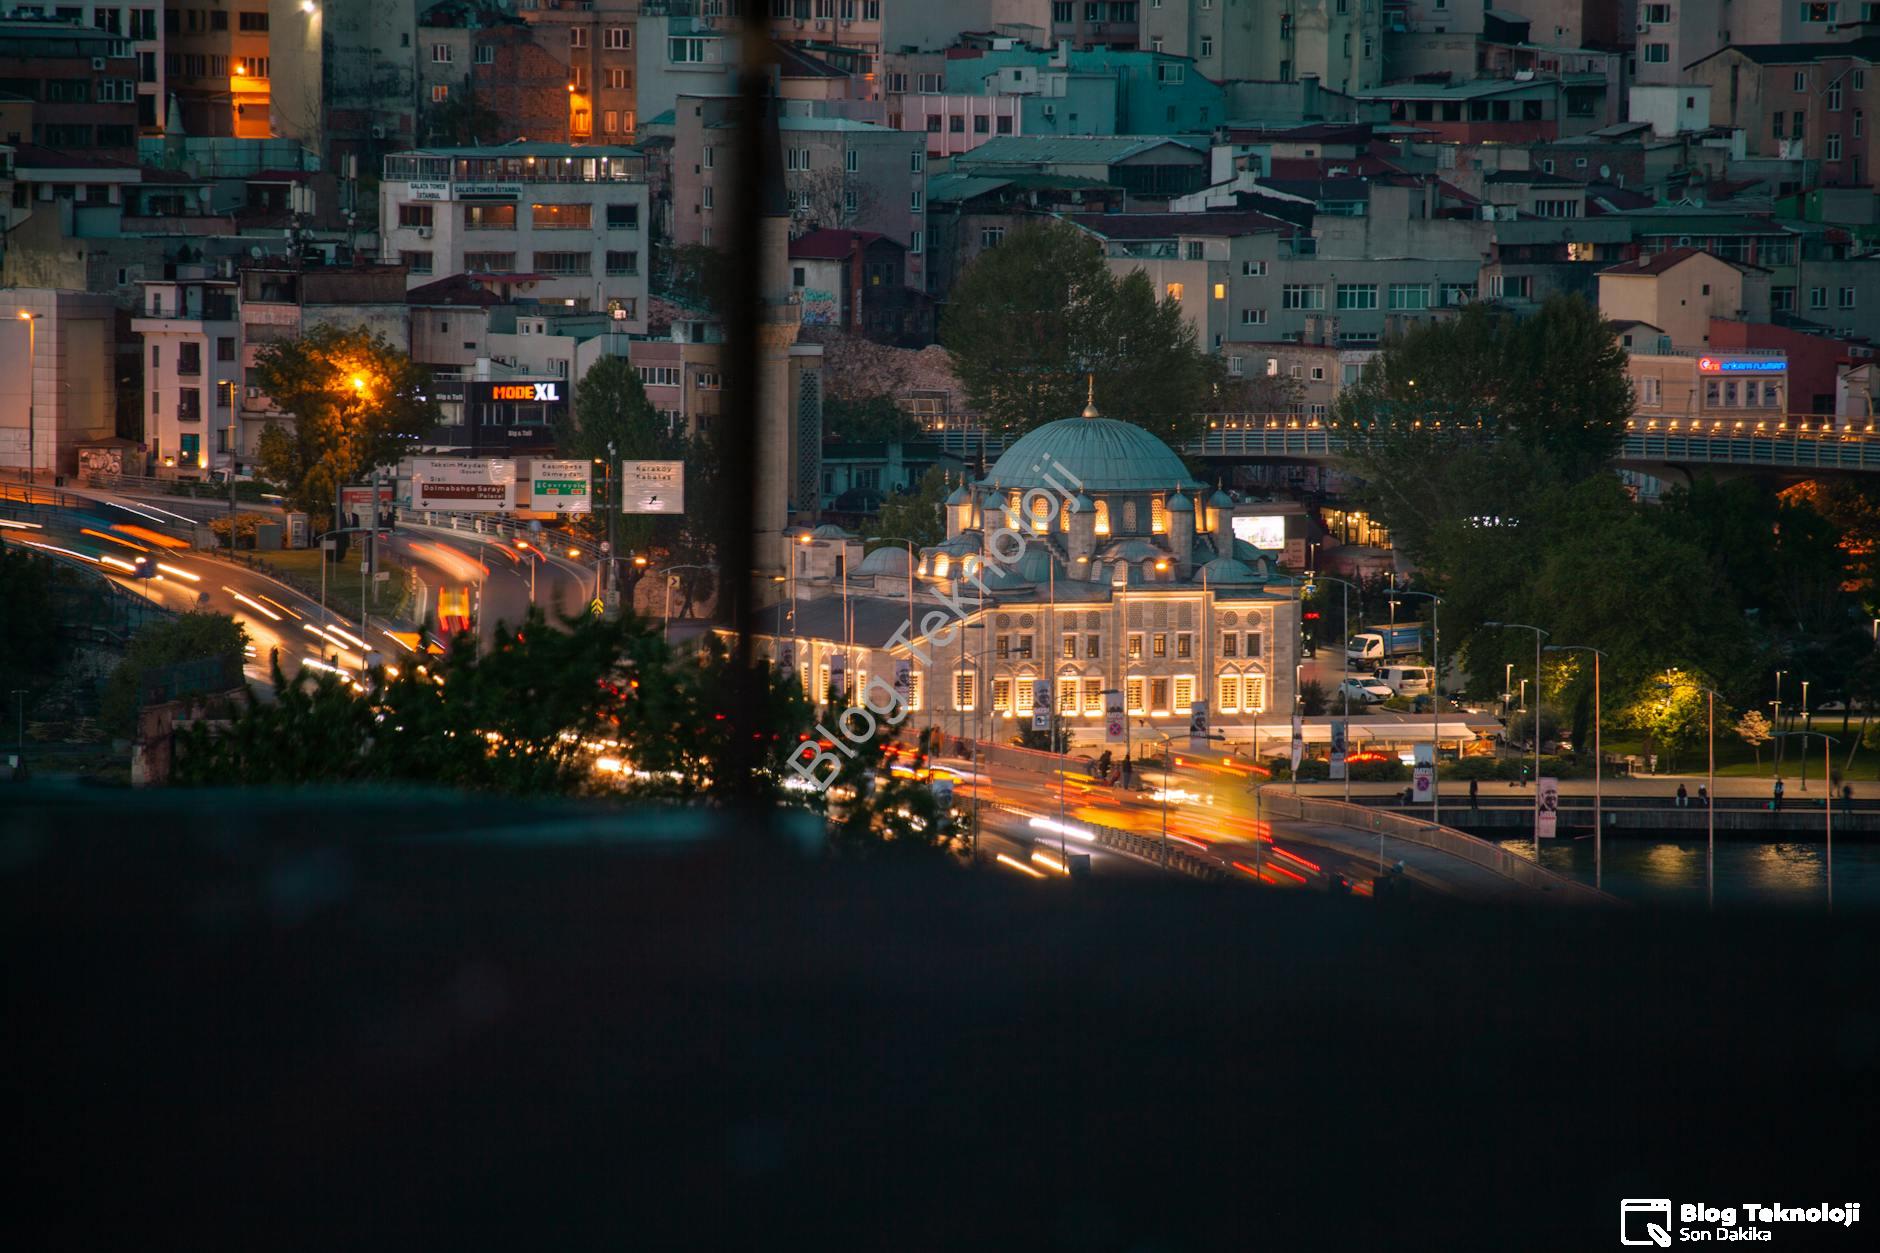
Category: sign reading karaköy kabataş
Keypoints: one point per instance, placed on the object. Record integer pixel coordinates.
(1546, 808)
(463, 485)
(1423, 774)
(560, 486)
(652, 487)
(1041, 704)
(1115, 725)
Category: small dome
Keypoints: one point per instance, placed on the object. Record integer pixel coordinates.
(1132, 550)
(1225, 570)
(830, 530)
(1081, 503)
(889, 560)
(960, 496)
(1220, 500)
(1178, 503)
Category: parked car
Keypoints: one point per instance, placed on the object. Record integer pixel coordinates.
(1366, 690)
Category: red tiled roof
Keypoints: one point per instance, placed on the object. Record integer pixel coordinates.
(1658, 263)
(458, 289)
(831, 245)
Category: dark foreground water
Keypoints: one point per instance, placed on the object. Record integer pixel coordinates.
(1671, 870)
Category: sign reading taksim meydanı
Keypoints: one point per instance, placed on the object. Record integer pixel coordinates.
(652, 487)
(560, 486)
(459, 485)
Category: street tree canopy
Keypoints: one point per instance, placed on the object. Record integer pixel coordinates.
(1031, 318)
(356, 402)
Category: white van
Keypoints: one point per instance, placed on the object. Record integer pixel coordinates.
(1408, 680)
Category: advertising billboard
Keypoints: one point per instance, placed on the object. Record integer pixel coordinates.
(561, 486)
(1262, 530)
(454, 485)
(652, 487)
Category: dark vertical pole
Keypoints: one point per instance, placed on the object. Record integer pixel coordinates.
(742, 703)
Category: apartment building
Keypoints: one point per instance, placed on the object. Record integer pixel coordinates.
(533, 221)
(191, 333)
(1815, 103)
(82, 82)
(141, 24)
(57, 390)
(596, 39)
(219, 67)
(1680, 290)
(839, 174)
(1338, 42)
(343, 76)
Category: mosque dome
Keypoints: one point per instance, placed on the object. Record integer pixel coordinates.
(1090, 455)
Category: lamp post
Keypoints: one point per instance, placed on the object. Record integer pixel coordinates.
(1710, 793)
(1436, 706)
(1779, 745)
(19, 707)
(1599, 829)
(665, 630)
(1344, 607)
(234, 440)
(32, 427)
(325, 616)
(1507, 683)
(1539, 635)
(1827, 770)
(1167, 759)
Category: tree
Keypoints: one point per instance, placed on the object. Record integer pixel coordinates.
(1753, 729)
(463, 120)
(830, 199)
(211, 637)
(1030, 319)
(1312, 698)
(1673, 716)
(919, 515)
(355, 401)
(872, 419)
(699, 275)
(31, 645)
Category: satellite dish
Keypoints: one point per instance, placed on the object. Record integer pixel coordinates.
(255, 252)
(1605, 171)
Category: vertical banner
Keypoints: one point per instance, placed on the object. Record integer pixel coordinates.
(1041, 704)
(1546, 808)
(1298, 741)
(1423, 774)
(786, 659)
(904, 681)
(1339, 730)
(1115, 727)
(1198, 725)
(838, 674)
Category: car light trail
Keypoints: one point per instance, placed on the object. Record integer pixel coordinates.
(11, 525)
(252, 603)
(348, 636)
(1290, 874)
(1043, 858)
(1020, 866)
(394, 639)
(1294, 857)
(112, 539)
(1063, 828)
(117, 563)
(178, 572)
(1200, 844)
(278, 605)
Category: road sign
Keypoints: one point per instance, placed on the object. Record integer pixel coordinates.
(458, 485)
(652, 487)
(597, 607)
(561, 486)
(1115, 726)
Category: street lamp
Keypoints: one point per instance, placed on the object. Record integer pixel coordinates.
(1507, 683)
(1599, 830)
(1827, 769)
(32, 428)
(1539, 635)
(1436, 705)
(665, 631)
(1710, 794)
(1344, 630)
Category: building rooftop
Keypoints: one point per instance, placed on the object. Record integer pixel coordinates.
(1099, 454)
(1077, 149)
(1866, 48)
(1473, 88)
(1662, 263)
(832, 245)
(458, 289)
(522, 148)
(1139, 226)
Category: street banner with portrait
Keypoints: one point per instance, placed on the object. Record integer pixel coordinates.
(1339, 731)
(1298, 741)
(1041, 704)
(1546, 808)
(1198, 724)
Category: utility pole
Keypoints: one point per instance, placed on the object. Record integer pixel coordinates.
(233, 437)
(19, 704)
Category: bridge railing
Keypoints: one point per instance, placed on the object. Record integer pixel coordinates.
(1460, 844)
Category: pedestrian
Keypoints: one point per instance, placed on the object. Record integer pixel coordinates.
(1474, 786)
(1778, 794)
(1703, 796)
(1847, 793)
(1684, 798)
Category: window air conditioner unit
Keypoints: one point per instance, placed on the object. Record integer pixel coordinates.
(1643, 27)
(424, 232)
(378, 132)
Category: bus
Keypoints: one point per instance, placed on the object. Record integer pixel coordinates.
(455, 610)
